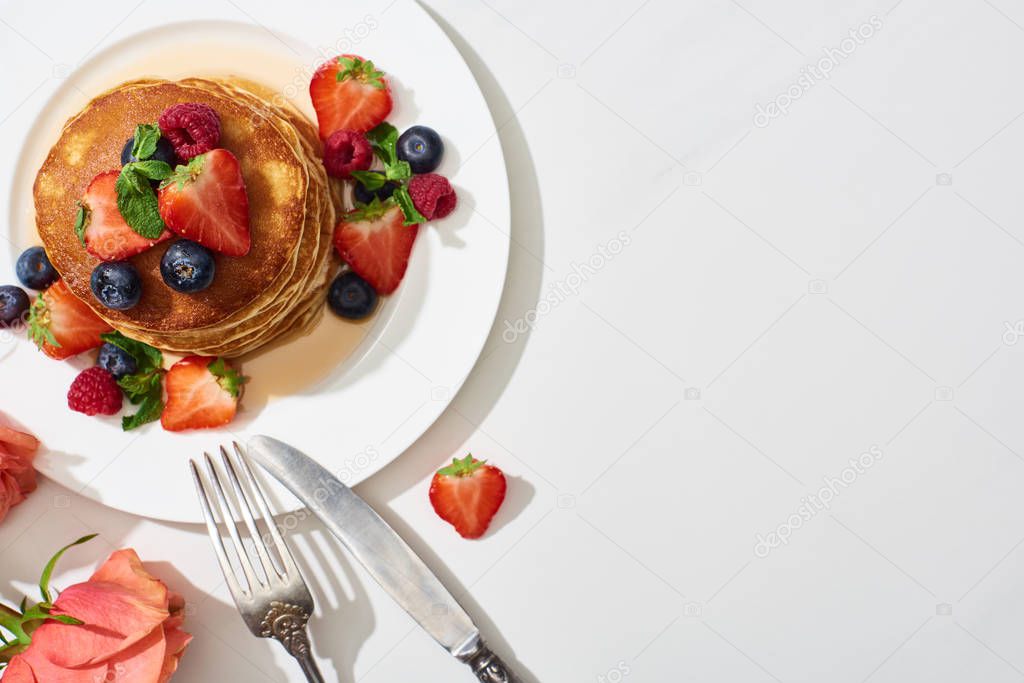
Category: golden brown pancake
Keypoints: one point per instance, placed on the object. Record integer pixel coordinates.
(292, 209)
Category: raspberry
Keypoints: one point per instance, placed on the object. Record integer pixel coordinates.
(346, 151)
(191, 127)
(95, 392)
(432, 195)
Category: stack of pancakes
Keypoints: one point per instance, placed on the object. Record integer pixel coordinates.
(275, 289)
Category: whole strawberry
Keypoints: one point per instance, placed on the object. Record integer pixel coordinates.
(467, 494)
(95, 392)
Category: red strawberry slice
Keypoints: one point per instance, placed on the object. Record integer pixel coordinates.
(105, 233)
(63, 325)
(206, 202)
(375, 241)
(202, 393)
(349, 93)
(467, 494)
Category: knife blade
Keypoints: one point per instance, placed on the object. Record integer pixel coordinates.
(388, 559)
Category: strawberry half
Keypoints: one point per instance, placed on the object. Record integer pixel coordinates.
(375, 241)
(349, 93)
(62, 325)
(202, 393)
(467, 494)
(102, 228)
(207, 203)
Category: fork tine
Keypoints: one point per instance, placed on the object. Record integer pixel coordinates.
(227, 514)
(211, 529)
(288, 562)
(250, 521)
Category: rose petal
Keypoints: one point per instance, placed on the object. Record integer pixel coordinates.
(17, 476)
(142, 662)
(177, 641)
(124, 568)
(10, 494)
(19, 443)
(115, 619)
(30, 667)
(19, 671)
(176, 606)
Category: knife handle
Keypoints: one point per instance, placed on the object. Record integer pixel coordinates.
(488, 666)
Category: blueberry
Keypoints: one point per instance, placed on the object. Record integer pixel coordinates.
(422, 148)
(352, 297)
(164, 152)
(35, 270)
(187, 267)
(116, 361)
(116, 285)
(364, 196)
(13, 304)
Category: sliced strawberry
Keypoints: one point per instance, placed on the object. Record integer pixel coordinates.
(62, 325)
(102, 227)
(206, 202)
(202, 393)
(375, 241)
(348, 93)
(467, 494)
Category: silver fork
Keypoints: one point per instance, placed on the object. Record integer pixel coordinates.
(276, 604)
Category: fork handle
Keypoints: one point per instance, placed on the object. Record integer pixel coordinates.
(488, 666)
(309, 667)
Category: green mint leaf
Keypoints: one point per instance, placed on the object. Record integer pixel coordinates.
(81, 221)
(382, 133)
(371, 180)
(384, 140)
(131, 174)
(400, 170)
(138, 204)
(149, 411)
(412, 216)
(146, 357)
(152, 169)
(227, 377)
(141, 385)
(39, 324)
(44, 580)
(146, 137)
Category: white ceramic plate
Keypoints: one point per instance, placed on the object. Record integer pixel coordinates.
(353, 396)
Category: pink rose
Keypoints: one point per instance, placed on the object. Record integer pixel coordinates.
(131, 631)
(17, 476)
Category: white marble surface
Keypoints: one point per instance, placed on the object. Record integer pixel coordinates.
(776, 296)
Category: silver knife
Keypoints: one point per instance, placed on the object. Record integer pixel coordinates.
(385, 555)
